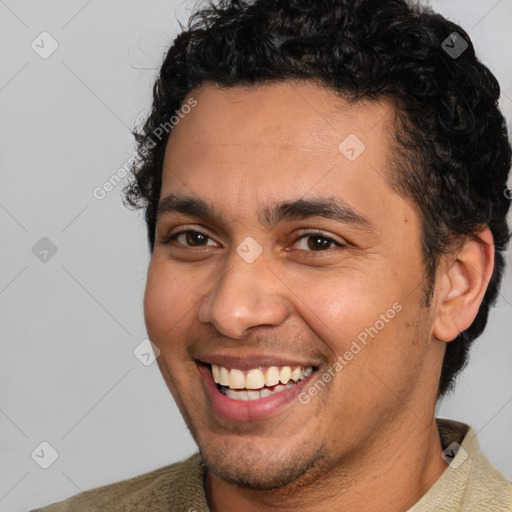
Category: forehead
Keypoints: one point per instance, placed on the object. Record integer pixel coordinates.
(243, 145)
(282, 114)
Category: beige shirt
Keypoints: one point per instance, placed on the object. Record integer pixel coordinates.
(469, 484)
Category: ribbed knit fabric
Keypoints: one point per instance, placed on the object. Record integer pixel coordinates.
(469, 484)
(174, 488)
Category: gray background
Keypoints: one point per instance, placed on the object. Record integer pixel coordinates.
(70, 325)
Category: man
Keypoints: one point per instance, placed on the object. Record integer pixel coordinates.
(325, 194)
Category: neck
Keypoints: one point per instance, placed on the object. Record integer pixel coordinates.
(398, 467)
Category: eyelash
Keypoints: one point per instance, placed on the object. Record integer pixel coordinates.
(321, 234)
(303, 234)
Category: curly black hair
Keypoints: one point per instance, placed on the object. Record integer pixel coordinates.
(454, 154)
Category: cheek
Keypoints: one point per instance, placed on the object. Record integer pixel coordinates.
(168, 310)
(339, 308)
(166, 302)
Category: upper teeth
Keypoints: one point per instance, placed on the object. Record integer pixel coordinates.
(258, 378)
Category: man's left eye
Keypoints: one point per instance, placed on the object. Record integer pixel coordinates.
(317, 242)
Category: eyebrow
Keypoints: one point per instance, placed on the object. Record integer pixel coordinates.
(271, 214)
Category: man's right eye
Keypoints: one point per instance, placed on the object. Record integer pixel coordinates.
(188, 238)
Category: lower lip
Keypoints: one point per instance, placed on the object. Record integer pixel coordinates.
(248, 410)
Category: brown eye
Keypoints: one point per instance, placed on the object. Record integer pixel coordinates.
(316, 242)
(190, 238)
(195, 238)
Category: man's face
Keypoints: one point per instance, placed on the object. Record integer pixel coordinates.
(256, 289)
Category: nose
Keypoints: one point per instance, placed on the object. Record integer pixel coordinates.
(244, 296)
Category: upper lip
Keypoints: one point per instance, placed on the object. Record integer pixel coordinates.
(246, 362)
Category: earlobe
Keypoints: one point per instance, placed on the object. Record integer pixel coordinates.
(463, 277)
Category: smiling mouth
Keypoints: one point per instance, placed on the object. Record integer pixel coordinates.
(257, 383)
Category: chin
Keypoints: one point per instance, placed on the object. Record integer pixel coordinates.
(251, 468)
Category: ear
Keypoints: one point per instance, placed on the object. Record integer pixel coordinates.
(461, 283)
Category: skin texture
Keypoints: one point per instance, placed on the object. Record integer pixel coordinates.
(370, 431)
